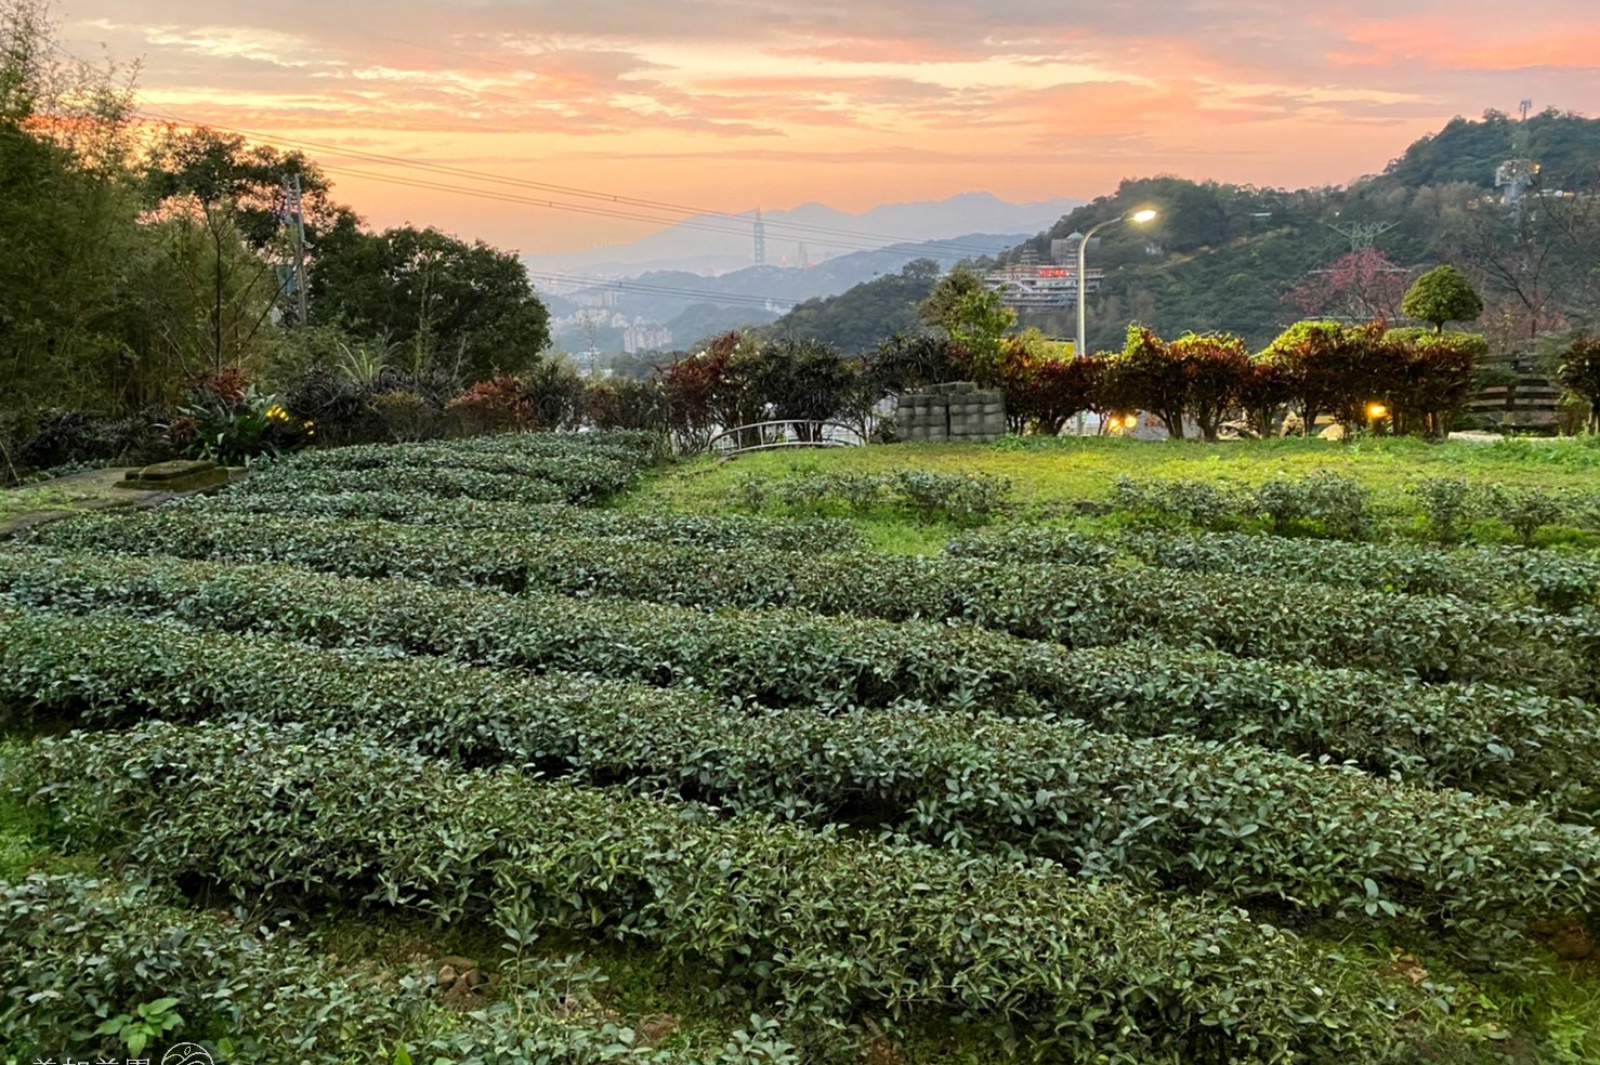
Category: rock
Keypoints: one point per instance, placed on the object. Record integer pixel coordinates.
(1476, 438)
(171, 471)
(1332, 432)
(448, 976)
(458, 963)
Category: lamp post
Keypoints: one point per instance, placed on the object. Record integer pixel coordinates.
(1140, 217)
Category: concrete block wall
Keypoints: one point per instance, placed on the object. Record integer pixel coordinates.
(954, 412)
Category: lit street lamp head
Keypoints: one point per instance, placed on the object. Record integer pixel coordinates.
(1146, 215)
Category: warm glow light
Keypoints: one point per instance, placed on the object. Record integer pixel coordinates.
(1131, 422)
(1376, 411)
(1146, 215)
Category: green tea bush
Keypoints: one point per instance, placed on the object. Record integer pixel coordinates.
(76, 953)
(1507, 742)
(1322, 502)
(816, 535)
(1526, 510)
(1318, 504)
(1553, 580)
(81, 952)
(1434, 638)
(1253, 825)
(1447, 504)
(828, 925)
(1208, 504)
(963, 498)
(441, 482)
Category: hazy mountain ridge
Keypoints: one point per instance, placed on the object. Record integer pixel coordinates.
(724, 243)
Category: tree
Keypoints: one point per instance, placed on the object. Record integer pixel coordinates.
(1434, 376)
(1442, 295)
(1331, 368)
(1215, 366)
(1263, 392)
(1145, 376)
(908, 363)
(1363, 284)
(1044, 386)
(464, 309)
(1579, 373)
(973, 316)
(224, 201)
(801, 381)
(68, 221)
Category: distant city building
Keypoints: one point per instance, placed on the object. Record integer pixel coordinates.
(645, 336)
(1034, 287)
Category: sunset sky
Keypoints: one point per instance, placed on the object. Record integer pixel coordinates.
(728, 104)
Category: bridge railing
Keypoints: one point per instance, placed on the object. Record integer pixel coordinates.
(775, 435)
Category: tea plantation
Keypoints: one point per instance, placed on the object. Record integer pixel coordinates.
(541, 748)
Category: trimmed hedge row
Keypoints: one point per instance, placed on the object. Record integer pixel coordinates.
(816, 536)
(518, 467)
(77, 951)
(1553, 580)
(1254, 825)
(1504, 742)
(1437, 639)
(441, 482)
(830, 925)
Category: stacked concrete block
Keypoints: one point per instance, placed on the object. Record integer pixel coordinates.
(953, 412)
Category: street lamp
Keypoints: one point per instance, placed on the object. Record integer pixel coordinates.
(1139, 217)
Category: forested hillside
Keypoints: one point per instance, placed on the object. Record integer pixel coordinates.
(1252, 261)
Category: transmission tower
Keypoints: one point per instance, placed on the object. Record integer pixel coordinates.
(1361, 235)
(761, 240)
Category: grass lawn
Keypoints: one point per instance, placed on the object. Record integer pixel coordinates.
(1047, 476)
(1044, 471)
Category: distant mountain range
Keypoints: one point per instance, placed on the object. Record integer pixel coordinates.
(724, 243)
(694, 305)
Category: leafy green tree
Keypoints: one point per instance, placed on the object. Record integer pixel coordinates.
(68, 220)
(802, 381)
(1442, 295)
(464, 309)
(224, 201)
(974, 317)
(1579, 373)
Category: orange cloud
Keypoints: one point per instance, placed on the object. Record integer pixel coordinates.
(781, 101)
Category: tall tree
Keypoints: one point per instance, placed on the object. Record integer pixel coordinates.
(225, 202)
(67, 218)
(464, 309)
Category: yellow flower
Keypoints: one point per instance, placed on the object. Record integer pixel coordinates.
(277, 413)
